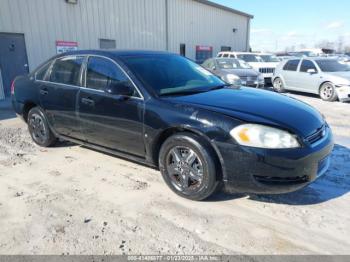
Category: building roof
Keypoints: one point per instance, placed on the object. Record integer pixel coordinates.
(206, 2)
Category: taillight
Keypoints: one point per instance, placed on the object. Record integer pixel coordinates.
(13, 87)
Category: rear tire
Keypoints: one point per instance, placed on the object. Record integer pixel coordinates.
(39, 129)
(188, 166)
(278, 85)
(327, 92)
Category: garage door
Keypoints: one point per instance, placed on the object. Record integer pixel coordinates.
(13, 60)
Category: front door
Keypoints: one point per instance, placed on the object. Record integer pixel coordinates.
(13, 60)
(107, 120)
(308, 81)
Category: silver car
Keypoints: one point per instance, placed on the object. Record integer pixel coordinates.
(234, 71)
(326, 77)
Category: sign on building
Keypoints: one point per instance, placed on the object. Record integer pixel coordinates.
(66, 46)
(203, 53)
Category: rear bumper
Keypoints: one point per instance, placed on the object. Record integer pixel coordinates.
(17, 107)
(261, 171)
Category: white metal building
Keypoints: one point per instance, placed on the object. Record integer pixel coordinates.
(31, 31)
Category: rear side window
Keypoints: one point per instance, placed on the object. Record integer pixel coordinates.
(306, 65)
(66, 70)
(291, 65)
(41, 73)
(225, 55)
(102, 72)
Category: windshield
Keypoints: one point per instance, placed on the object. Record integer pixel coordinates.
(250, 58)
(171, 74)
(332, 66)
(269, 58)
(232, 64)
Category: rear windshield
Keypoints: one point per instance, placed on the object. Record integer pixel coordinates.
(232, 64)
(250, 58)
(332, 66)
(270, 58)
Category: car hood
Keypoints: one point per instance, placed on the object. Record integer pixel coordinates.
(263, 64)
(345, 74)
(258, 106)
(240, 72)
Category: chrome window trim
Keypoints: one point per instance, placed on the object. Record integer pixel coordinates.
(54, 83)
(124, 72)
(84, 72)
(49, 71)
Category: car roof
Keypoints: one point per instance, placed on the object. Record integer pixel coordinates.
(318, 58)
(115, 53)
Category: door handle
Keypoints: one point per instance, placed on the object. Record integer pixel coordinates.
(88, 101)
(44, 91)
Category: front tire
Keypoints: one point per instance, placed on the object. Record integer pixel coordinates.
(328, 93)
(39, 129)
(188, 167)
(278, 85)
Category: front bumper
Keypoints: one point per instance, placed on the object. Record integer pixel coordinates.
(257, 84)
(263, 171)
(343, 93)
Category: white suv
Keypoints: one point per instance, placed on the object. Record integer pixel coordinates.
(264, 63)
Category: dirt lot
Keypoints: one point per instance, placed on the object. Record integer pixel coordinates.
(70, 199)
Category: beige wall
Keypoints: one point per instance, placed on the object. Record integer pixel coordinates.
(134, 24)
(195, 23)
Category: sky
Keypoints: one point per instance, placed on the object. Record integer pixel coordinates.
(281, 24)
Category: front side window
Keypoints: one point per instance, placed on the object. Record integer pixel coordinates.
(102, 73)
(291, 65)
(328, 65)
(67, 70)
(171, 74)
(306, 65)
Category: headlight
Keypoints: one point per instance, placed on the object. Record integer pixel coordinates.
(260, 136)
(343, 85)
(233, 79)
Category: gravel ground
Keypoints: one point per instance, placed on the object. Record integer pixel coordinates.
(72, 200)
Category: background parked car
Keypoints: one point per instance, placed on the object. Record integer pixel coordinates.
(235, 71)
(344, 59)
(263, 63)
(324, 76)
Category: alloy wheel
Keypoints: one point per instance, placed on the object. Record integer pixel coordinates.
(277, 84)
(326, 91)
(37, 128)
(185, 169)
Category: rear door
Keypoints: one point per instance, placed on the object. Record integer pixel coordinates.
(58, 95)
(308, 82)
(108, 120)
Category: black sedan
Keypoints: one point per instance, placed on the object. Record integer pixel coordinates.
(165, 111)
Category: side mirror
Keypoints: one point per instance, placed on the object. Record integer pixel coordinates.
(311, 71)
(120, 89)
(213, 68)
